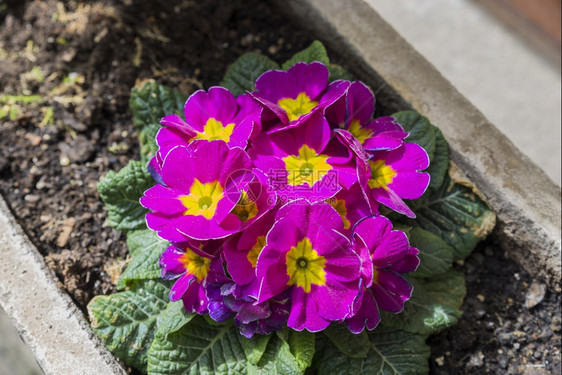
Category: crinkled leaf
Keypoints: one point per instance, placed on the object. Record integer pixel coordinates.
(126, 321)
(173, 318)
(420, 129)
(199, 348)
(439, 162)
(353, 345)
(337, 72)
(121, 192)
(255, 347)
(315, 52)
(302, 347)
(448, 288)
(146, 248)
(422, 313)
(150, 102)
(392, 352)
(276, 360)
(457, 214)
(436, 257)
(242, 74)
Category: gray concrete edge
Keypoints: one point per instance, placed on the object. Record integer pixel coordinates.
(526, 201)
(47, 319)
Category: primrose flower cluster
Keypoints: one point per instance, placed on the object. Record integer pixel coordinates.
(271, 203)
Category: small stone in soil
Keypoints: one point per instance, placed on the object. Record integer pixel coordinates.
(476, 359)
(535, 294)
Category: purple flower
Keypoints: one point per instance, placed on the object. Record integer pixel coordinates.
(212, 115)
(191, 270)
(391, 176)
(201, 188)
(352, 116)
(226, 300)
(385, 255)
(306, 254)
(352, 205)
(302, 162)
(293, 96)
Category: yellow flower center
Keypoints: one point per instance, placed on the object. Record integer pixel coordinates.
(246, 208)
(359, 132)
(202, 198)
(298, 107)
(308, 167)
(195, 264)
(381, 174)
(375, 275)
(304, 266)
(255, 251)
(339, 206)
(214, 130)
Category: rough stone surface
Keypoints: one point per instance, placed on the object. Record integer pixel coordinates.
(526, 201)
(47, 319)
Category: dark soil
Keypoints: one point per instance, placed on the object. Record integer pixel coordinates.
(76, 63)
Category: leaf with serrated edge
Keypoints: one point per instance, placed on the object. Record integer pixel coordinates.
(436, 257)
(255, 347)
(392, 352)
(242, 74)
(173, 318)
(199, 348)
(146, 248)
(121, 192)
(126, 321)
(302, 347)
(315, 52)
(353, 345)
(448, 288)
(457, 214)
(439, 162)
(422, 313)
(420, 129)
(150, 102)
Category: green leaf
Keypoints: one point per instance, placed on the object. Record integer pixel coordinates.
(146, 248)
(353, 345)
(315, 52)
(439, 162)
(392, 352)
(255, 347)
(242, 74)
(421, 130)
(302, 345)
(457, 213)
(422, 313)
(200, 348)
(173, 318)
(337, 72)
(448, 288)
(121, 192)
(150, 102)
(126, 321)
(436, 257)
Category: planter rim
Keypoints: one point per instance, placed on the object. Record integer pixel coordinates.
(45, 316)
(526, 201)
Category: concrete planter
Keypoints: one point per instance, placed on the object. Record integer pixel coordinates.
(526, 201)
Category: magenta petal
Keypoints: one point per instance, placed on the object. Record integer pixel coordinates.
(390, 199)
(393, 248)
(217, 103)
(176, 122)
(199, 228)
(304, 313)
(334, 299)
(409, 157)
(310, 78)
(177, 168)
(180, 286)
(410, 185)
(409, 263)
(167, 139)
(237, 263)
(383, 141)
(164, 225)
(163, 200)
(194, 299)
(391, 291)
(272, 107)
(170, 264)
(367, 316)
(361, 102)
(352, 143)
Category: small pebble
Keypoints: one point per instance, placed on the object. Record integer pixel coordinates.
(476, 360)
(535, 294)
(440, 361)
(480, 297)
